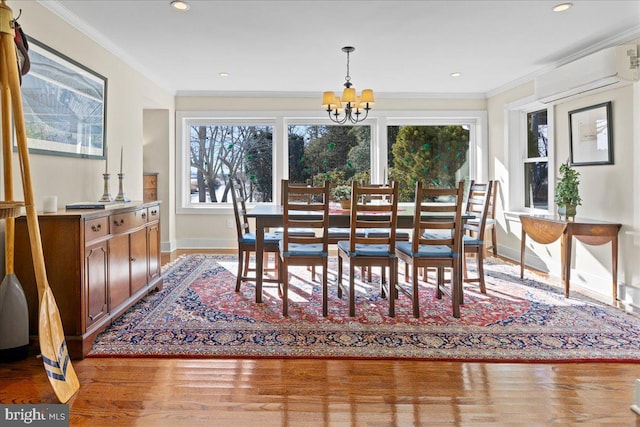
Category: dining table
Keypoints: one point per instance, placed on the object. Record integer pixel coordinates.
(270, 215)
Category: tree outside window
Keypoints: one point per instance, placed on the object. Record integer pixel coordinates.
(436, 155)
(220, 151)
(338, 154)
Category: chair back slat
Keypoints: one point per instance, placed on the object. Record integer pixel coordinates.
(428, 201)
(382, 214)
(478, 201)
(239, 207)
(298, 202)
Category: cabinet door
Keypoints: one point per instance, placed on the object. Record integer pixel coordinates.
(119, 290)
(153, 241)
(96, 267)
(138, 260)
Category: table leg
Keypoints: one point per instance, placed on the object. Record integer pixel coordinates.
(259, 259)
(565, 248)
(523, 247)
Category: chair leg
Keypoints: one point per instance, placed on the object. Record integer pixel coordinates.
(339, 278)
(416, 301)
(393, 278)
(325, 288)
(246, 264)
(239, 275)
(494, 241)
(439, 282)
(480, 259)
(285, 288)
(352, 287)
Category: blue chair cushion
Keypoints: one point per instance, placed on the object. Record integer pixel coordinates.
(472, 241)
(269, 238)
(342, 233)
(384, 232)
(305, 232)
(426, 251)
(366, 250)
(303, 249)
(428, 235)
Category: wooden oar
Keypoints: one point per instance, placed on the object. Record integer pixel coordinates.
(53, 347)
(14, 310)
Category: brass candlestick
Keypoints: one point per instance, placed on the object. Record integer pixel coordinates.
(121, 197)
(106, 196)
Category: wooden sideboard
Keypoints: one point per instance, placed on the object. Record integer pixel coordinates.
(99, 263)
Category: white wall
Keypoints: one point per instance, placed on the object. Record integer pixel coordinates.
(607, 191)
(129, 92)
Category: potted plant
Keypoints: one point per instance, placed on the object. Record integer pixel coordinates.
(342, 193)
(567, 195)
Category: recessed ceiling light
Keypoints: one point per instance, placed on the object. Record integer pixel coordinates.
(456, 74)
(223, 74)
(180, 5)
(562, 7)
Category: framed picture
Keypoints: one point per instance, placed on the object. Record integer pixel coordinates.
(64, 105)
(591, 135)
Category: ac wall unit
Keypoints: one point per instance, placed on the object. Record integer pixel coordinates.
(614, 66)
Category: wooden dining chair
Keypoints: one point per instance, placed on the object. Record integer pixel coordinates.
(298, 201)
(478, 201)
(437, 228)
(368, 251)
(246, 238)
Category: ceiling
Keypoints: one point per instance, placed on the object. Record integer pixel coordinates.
(403, 48)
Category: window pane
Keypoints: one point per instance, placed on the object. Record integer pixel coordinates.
(436, 155)
(536, 183)
(325, 152)
(218, 151)
(537, 142)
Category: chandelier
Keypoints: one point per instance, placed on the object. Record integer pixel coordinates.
(350, 107)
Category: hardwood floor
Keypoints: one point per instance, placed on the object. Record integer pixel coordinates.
(274, 392)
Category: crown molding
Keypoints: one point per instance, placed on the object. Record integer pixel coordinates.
(73, 20)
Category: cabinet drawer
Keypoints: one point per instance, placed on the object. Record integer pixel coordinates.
(153, 213)
(96, 228)
(122, 223)
(150, 181)
(150, 195)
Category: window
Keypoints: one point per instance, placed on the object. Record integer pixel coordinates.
(329, 152)
(536, 164)
(220, 149)
(262, 149)
(438, 155)
(529, 149)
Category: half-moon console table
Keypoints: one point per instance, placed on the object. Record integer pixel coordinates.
(547, 229)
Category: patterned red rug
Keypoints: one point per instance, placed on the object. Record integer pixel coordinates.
(198, 314)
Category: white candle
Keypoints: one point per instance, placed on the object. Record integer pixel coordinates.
(106, 164)
(50, 204)
(121, 153)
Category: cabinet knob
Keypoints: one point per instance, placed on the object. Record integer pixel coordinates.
(144, 214)
(133, 259)
(97, 227)
(120, 222)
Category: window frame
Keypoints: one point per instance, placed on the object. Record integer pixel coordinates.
(516, 149)
(184, 121)
(377, 120)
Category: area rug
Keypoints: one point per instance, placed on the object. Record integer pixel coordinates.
(198, 314)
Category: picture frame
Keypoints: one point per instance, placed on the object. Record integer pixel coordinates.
(591, 135)
(64, 105)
